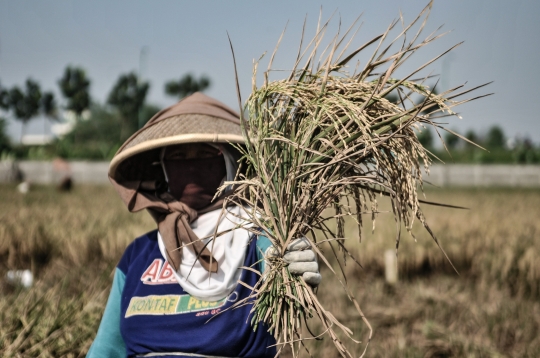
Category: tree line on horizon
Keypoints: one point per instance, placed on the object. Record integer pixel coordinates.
(493, 146)
(99, 129)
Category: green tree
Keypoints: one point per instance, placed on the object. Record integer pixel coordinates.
(4, 104)
(451, 140)
(525, 152)
(426, 138)
(5, 144)
(473, 137)
(75, 87)
(99, 136)
(49, 108)
(48, 105)
(128, 96)
(25, 105)
(186, 85)
(495, 138)
(148, 111)
(4, 98)
(96, 138)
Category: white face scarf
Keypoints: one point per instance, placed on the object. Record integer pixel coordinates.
(228, 249)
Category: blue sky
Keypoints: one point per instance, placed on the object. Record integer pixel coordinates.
(39, 38)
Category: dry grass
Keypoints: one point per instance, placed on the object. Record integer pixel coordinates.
(489, 310)
(494, 240)
(72, 242)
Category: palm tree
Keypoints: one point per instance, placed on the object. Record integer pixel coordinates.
(49, 108)
(186, 85)
(75, 87)
(4, 98)
(128, 96)
(25, 105)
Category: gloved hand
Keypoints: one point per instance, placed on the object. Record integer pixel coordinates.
(301, 259)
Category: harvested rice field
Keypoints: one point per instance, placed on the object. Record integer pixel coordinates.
(72, 241)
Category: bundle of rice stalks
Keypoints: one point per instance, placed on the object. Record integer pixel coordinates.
(326, 137)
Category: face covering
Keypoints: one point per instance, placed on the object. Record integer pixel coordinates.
(195, 181)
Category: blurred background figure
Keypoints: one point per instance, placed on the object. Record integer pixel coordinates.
(63, 175)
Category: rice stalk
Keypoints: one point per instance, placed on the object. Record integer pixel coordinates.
(323, 136)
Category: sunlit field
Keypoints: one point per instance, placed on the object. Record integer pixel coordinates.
(72, 242)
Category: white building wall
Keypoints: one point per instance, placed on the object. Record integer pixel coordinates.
(455, 175)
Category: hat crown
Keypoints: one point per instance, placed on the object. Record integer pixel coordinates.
(197, 103)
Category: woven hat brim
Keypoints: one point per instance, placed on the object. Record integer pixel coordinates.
(180, 129)
(163, 142)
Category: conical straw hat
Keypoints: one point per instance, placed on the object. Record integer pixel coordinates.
(195, 119)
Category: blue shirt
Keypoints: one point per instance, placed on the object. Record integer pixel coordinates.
(149, 312)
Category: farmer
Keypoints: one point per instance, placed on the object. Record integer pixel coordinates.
(173, 286)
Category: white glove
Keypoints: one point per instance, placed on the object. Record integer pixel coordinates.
(301, 259)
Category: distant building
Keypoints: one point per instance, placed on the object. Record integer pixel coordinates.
(61, 129)
(36, 139)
